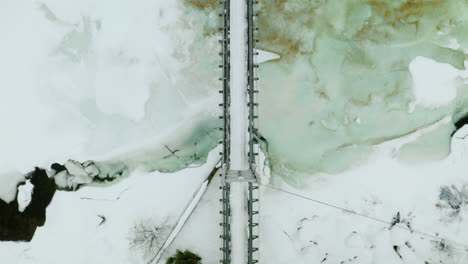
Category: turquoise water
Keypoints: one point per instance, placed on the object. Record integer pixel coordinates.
(189, 149)
(343, 85)
(190, 144)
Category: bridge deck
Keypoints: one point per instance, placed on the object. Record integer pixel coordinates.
(239, 176)
(240, 211)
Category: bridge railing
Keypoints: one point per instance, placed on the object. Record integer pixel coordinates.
(226, 224)
(252, 204)
(251, 66)
(225, 187)
(226, 69)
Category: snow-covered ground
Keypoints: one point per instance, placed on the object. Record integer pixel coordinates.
(347, 217)
(201, 232)
(437, 90)
(183, 218)
(100, 82)
(110, 81)
(95, 224)
(352, 227)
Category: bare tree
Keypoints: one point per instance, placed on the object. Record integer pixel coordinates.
(148, 236)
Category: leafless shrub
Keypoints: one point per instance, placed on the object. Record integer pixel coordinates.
(148, 236)
(452, 199)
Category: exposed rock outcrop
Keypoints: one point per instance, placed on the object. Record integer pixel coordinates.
(74, 174)
(21, 226)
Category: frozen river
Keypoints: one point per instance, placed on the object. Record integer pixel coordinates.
(358, 113)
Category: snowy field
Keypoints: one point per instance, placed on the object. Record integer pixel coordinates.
(354, 226)
(403, 201)
(97, 225)
(120, 83)
(369, 94)
(201, 232)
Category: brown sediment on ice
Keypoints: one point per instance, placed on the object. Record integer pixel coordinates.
(343, 77)
(211, 24)
(286, 25)
(274, 22)
(202, 4)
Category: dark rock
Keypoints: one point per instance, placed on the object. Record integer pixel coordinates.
(396, 220)
(460, 123)
(17, 226)
(396, 248)
(58, 167)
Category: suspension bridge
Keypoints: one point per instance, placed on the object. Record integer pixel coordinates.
(239, 187)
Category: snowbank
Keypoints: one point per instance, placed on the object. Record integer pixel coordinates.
(313, 228)
(93, 224)
(434, 83)
(25, 192)
(8, 188)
